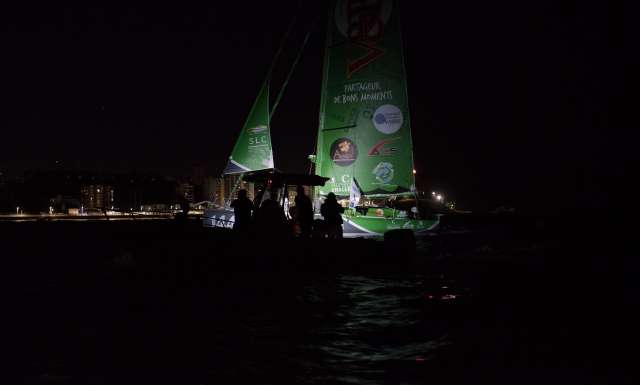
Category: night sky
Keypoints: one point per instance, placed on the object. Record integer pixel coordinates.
(510, 102)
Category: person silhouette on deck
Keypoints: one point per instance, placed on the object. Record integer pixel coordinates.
(331, 211)
(262, 195)
(304, 212)
(242, 208)
(270, 219)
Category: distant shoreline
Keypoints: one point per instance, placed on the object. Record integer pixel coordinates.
(82, 218)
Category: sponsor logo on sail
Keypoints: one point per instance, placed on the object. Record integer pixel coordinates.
(383, 172)
(343, 152)
(259, 137)
(257, 130)
(258, 141)
(382, 149)
(363, 22)
(387, 119)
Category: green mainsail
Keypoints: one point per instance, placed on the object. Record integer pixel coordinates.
(364, 130)
(252, 150)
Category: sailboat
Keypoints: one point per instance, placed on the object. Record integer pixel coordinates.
(364, 144)
(364, 137)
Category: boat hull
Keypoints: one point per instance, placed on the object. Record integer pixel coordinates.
(218, 218)
(353, 226)
(377, 226)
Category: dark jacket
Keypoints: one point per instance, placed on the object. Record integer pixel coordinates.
(305, 209)
(331, 211)
(242, 208)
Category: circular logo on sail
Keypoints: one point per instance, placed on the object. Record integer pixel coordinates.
(387, 119)
(343, 152)
(383, 172)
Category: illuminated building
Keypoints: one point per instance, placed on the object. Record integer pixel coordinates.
(231, 186)
(210, 189)
(227, 188)
(186, 191)
(96, 196)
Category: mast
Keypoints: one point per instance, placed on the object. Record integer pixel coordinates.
(364, 129)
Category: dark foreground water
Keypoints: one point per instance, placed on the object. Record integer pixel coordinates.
(479, 317)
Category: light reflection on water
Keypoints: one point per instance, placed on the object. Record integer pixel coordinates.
(377, 323)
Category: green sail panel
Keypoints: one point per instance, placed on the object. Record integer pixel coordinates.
(364, 130)
(252, 150)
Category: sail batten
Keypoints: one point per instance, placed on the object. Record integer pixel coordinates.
(364, 130)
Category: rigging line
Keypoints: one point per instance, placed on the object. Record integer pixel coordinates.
(282, 44)
(293, 67)
(274, 62)
(267, 80)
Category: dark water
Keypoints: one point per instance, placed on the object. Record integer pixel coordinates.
(475, 319)
(238, 329)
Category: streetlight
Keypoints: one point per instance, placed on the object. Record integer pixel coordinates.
(439, 198)
(17, 210)
(433, 193)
